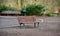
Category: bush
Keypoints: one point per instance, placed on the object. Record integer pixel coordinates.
(50, 14)
(32, 9)
(4, 7)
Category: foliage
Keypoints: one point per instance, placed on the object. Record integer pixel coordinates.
(32, 9)
(4, 7)
(58, 14)
(50, 14)
(11, 8)
(58, 1)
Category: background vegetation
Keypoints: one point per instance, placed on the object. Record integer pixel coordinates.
(32, 9)
(6, 8)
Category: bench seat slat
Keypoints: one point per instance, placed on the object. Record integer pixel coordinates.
(26, 19)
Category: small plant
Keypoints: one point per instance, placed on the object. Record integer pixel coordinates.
(32, 9)
(50, 14)
(58, 14)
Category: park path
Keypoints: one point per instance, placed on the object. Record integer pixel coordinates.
(49, 27)
(8, 21)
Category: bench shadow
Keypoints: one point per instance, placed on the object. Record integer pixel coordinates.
(25, 27)
(22, 27)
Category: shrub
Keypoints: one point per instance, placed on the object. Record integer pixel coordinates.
(4, 7)
(50, 14)
(32, 9)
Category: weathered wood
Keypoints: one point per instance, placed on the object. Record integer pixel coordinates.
(27, 20)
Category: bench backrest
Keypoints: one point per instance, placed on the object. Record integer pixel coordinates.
(26, 19)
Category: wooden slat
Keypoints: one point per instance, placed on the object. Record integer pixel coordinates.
(26, 19)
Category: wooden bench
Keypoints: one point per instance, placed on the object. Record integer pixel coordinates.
(27, 20)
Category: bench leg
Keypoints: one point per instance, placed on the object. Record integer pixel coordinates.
(38, 24)
(22, 24)
(34, 25)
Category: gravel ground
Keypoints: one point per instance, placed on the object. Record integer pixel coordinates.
(17, 31)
